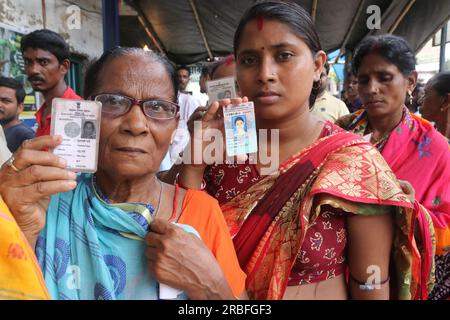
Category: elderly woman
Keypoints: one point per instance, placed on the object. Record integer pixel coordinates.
(436, 102)
(92, 231)
(414, 150)
(320, 213)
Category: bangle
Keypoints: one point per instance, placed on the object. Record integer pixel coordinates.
(177, 182)
(366, 286)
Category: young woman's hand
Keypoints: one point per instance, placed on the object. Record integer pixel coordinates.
(203, 124)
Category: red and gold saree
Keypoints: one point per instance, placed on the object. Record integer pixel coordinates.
(268, 219)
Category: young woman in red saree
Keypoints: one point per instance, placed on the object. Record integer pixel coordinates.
(416, 152)
(299, 231)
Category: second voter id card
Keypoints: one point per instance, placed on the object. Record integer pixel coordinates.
(224, 88)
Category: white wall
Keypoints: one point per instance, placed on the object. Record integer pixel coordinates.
(27, 15)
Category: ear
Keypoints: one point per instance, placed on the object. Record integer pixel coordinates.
(319, 61)
(20, 108)
(177, 119)
(412, 80)
(65, 66)
(446, 101)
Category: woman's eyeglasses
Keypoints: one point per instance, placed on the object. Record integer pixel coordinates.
(117, 105)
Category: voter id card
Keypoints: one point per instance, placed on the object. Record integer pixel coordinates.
(224, 88)
(78, 122)
(240, 129)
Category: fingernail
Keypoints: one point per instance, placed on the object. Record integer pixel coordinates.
(62, 162)
(72, 184)
(71, 175)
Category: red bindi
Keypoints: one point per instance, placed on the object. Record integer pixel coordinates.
(260, 23)
(229, 60)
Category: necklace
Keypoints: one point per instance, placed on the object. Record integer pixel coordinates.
(160, 196)
(380, 139)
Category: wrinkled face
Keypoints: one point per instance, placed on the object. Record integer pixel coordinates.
(432, 103)
(352, 87)
(133, 144)
(9, 109)
(276, 70)
(43, 69)
(183, 79)
(381, 86)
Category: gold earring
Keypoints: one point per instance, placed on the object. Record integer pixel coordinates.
(410, 97)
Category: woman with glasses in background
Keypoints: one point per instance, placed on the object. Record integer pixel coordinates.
(108, 235)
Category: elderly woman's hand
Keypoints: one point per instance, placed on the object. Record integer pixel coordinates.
(181, 260)
(27, 184)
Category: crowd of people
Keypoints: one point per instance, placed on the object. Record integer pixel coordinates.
(358, 207)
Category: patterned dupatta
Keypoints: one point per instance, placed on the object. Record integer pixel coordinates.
(269, 220)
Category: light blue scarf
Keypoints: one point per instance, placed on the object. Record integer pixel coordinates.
(90, 249)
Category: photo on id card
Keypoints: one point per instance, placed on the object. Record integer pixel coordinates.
(224, 88)
(240, 129)
(78, 122)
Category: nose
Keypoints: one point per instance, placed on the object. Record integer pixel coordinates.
(373, 86)
(32, 69)
(135, 122)
(267, 70)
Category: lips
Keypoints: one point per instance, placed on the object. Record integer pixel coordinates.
(131, 150)
(373, 102)
(267, 97)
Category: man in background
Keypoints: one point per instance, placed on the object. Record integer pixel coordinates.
(187, 104)
(12, 96)
(184, 75)
(46, 56)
